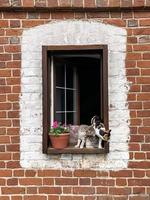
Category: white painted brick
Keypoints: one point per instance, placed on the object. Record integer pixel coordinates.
(73, 32)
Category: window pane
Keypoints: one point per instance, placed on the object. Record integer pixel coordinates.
(60, 75)
(70, 100)
(60, 117)
(60, 99)
(69, 77)
(70, 118)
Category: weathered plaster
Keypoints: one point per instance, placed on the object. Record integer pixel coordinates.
(73, 32)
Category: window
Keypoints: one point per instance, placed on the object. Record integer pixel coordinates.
(75, 87)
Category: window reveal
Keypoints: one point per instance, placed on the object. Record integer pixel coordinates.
(76, 86)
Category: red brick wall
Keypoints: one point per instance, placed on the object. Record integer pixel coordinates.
(132, 183)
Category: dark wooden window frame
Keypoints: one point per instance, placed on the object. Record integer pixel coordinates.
(46, 75)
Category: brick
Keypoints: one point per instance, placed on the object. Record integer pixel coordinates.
(2, 114)
(135, 88)
(12, 48)
(13, 32)
(5, 106)
(65, 3)
(145, 197)
(33, 197)
(69, 198)
(101, 190)
(144, 130)
(32, 190)
(13, 190)
(138, 190)
(48, 181)
(132, 40)
(147, 137)
(137, 138)
(50, 190)
(116, 22)
(139, 173)
(5, 57)
(66, 173)
(40, 3)
(4, 3)
(4, 139)
(5, 173)
(12, 131)
(13, 164)
(103, 182)
(139, 3)
(121, 173)
(77, 3)
(143, 64)
(52, 3)
(67, 190)
(5, 123)
(145, 147)
(84, 173)
(139, 182)
(141, 47)
(2, 148)
(5, 156)
(135, 105)
(16, 197)
(134, 56)
(145, 22)
(120, 191)
(18, 173)
(131, 97)
(13, 81)
(84, 181)
(132, 72)
(140, 165)
(134, 147)
(49, 173)
(121, 182)
(84, 190)
(146, 56)
(66, 181)
(130, 63)
(126, 3)
(89, 3)
(145, 72)
(101, 3)
(114, 3)
(12, 148)
(142, 14)
(16, 122)
(97, 14)
(139, 156)
(4, 23)
(63, 15)
(146, 88)
(28, 3)
(53, 197)
(30, 173)
(14, 15)
(115, 15)
(2, 97)
(15, 139)
(143, 96)
(143, 80)
(33, 15)
(141, 31)
(31, 23)
(14, 24)
(30, 181)
(12, 181)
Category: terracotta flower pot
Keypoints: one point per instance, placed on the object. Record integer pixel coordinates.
(60, 141)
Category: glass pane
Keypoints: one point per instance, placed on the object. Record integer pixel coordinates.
(70, 100)
(60, 75)
(70, 118)
(69, 77)
(60, 99)
(60, 117)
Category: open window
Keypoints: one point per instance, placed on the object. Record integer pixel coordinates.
(75, 88)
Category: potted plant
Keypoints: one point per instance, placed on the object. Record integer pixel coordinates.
(59, 135)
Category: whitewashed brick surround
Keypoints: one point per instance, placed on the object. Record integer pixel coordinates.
(73, 32)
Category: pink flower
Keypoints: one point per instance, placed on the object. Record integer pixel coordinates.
(55, 124)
